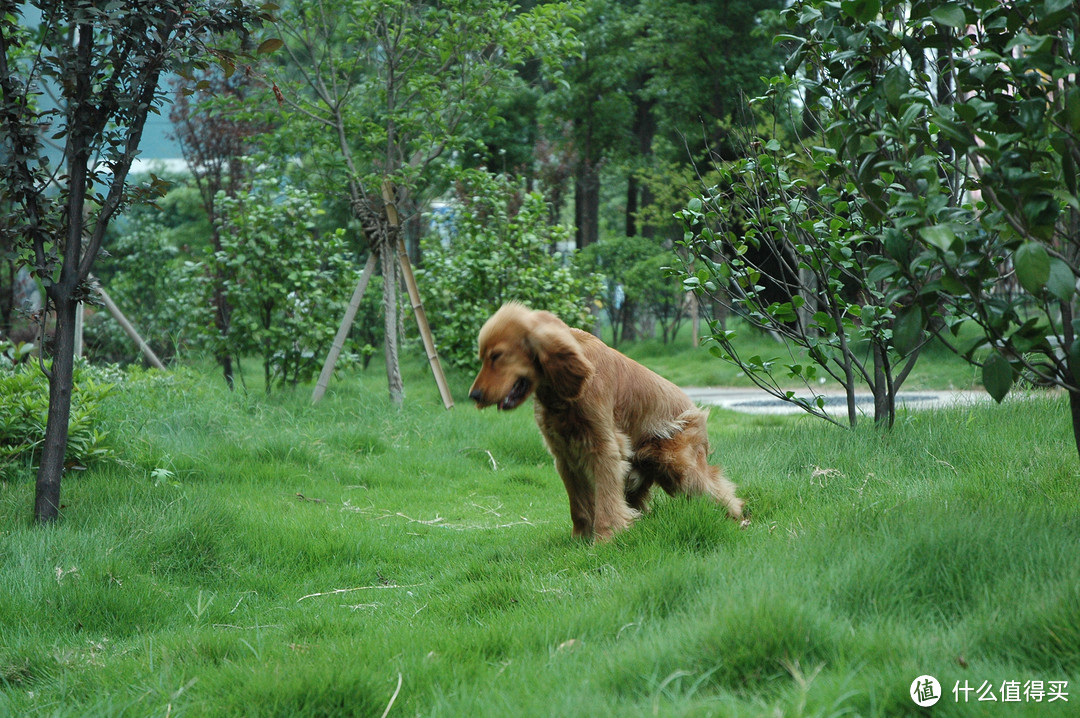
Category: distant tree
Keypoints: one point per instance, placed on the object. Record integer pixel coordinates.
(105, 64)
(658, 295)
(614, 258)
(379, 92)
(145, 277)
(656, 82)
(216, 141)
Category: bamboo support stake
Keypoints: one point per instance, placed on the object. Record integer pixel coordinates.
(343, 330)
(414, 297)
(80, 319)
(129, 329)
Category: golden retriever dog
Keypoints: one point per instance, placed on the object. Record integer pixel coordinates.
(614, 427)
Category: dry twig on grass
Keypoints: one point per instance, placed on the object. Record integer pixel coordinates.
(393, 697)
(336, 591)
(491, 458)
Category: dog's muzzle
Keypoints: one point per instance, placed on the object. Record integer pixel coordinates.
(517, 394)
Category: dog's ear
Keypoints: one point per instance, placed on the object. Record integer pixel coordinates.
(559, 355)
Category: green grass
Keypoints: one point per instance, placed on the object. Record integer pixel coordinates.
(261, 557)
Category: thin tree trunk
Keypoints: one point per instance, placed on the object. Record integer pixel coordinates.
(222, 319)
(884, 397)
(849, 373)
(1074, 411)
(390, 311)
(1073, 369)
(61, 378)
(587, 204)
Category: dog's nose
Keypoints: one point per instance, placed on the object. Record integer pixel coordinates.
(475, 395)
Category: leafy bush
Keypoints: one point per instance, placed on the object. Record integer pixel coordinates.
(637, 289)
(286, 282)
(498, 247)
(661, 295)
(24, 394)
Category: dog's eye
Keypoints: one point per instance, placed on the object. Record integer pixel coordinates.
(495, 356)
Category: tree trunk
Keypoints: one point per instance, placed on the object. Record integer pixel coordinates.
(7, 297)
(808, 280)
(1074, 411)
(884, 397)
(638, 194)
(225, 360)
(222, 320)
(390, 311)
(646, 229)
(61, 377)
(587, 204)
(1072, 368)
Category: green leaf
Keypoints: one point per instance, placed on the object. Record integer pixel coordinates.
(908, 329)
(881, 271)
(895, 85)
(861, 10)
(1061, 282)
(795, 59)
(997, 376)
(897, 245)
(1072, 108)
(950, 15)
(938, 235)
(1032, 265)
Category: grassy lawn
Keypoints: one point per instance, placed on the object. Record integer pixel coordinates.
(258, 556)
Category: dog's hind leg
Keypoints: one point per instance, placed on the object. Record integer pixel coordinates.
(638, 487)
(682, 463)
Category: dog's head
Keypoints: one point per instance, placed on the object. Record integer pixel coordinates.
(521, 350)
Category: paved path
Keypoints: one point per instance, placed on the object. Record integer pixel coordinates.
(758, 401)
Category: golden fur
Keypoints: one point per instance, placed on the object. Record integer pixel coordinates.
(614, 427)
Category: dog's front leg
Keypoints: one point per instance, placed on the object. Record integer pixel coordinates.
(580, 492)
(608, 466)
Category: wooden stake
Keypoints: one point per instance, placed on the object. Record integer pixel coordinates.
(129, 329)
(343, 330)
(414, 297)
(80, 319)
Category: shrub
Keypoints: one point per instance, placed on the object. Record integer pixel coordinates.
(24, 394)
(286, 282)
(498, 247)
(637, 288)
